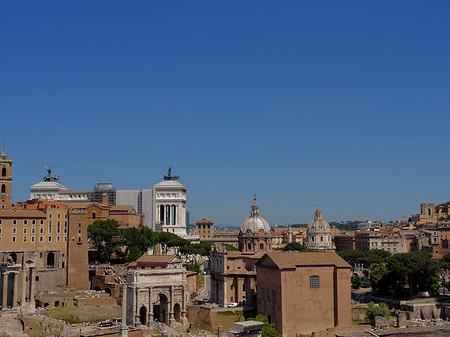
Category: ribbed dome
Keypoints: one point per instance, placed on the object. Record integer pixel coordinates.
(255, 222)
(318, 225)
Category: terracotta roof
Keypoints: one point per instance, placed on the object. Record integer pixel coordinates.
(21, 213)
(121, 208)
(233, 253)
(190, 273)
(286, 260)
(156, 258)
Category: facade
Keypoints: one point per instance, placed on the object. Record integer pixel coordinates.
(318, 234)
(157, 295)
(344, 242)
(233, 273)
(205, 228)
(380, 238)
(304, 292)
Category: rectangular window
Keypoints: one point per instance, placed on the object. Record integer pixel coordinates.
(13, 239)
(59, 216)
(0, 221)
(42, 222)
(243, 287)
(41, 230)
(24, 239)
(14, 222)
(24, 231)
(314, 282)
(57, 238)
(33, 222)
(14, 230)
(49, 239)
(50, 215)
(33, 230)
(49, 229)
(65, 238)
(41, 239)
(25, 222)
(33, 239)
(268, 295)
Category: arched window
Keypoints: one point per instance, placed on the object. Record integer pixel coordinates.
(314, 282)
(3, 189)
(4, 172)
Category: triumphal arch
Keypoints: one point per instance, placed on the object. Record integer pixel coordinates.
(157, 295)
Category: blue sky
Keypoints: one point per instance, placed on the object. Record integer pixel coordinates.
(339, 104)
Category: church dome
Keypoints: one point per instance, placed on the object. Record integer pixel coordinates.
(318, 225)
(255, 222)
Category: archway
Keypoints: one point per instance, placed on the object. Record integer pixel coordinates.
(51, 260)
(97, 288)
(143, 315)
(108, 291)
(177, 312)
(161, 308)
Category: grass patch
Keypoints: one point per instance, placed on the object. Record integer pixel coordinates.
(200, 281)
(230, 313)
(61, 312)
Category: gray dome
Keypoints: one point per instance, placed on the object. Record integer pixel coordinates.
(255, 222)
(318, 225)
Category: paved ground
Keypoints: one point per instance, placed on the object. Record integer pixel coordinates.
(205, 292)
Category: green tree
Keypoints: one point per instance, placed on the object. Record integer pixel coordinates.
(351, 256)
(104, 237)
(171, 240)
(378, 277)
(193, 266)
(376, 310)
(356, 281)
(294, 247)
(373, 257)
(137, 241)
(268, 329)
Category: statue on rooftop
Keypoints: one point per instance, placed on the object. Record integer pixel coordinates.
(49, 176)
(169, 175)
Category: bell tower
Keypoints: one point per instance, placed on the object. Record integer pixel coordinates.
(5, 180)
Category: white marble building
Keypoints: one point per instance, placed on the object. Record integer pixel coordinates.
(56, 191)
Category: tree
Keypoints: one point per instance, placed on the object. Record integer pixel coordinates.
(351, 256)
(378, 277)
(294, 247)
(137, 241)
(374, 257)
(171, 240)
(376, 310)
(104, 237)
(356, 281)
(268, 329)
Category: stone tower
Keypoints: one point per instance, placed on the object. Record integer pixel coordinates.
(5, 180)
(77, 250)
(255, 235)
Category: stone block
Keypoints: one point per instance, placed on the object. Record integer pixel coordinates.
(401, 319)
(381, 322)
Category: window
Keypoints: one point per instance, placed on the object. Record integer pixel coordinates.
(314, 282)
(14, 230)
(13, 239)
(33, 230)
(42, 222)
(3, 189)
(41, 239)
(243, 287)
(50, 215)
(49, 239)
(24, 239)
(261, 246)
(25, 222)
(59, 216)
(274, 297)
(33, 239)
(57, 239)
(49, 229)
(0, 221)
(268, 295)
(65, 238)
(33, 222)
(41, 230)
(263, 294)
(24, 231)
(321, 239)
(249, 246)
(94, 215)
(14, 222)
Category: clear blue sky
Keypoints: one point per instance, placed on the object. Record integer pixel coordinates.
(342, 104)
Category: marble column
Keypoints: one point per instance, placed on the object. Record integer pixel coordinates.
(5, 289)
(123, 330)
(16, 288)
(136, 307)
(24, 286)
(150, 306)
(171, 320)
(32, 282)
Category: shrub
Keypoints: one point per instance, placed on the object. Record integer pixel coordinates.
(376, 310)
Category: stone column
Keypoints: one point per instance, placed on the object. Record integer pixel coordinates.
(32, 282)
(171, 320)
(150, 306)
(224, 292)
(123, 330)
(5, 289)
(136, 307)
(183, 303)
(16, 288)
(24, 286)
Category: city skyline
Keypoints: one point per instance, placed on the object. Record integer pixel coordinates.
(342, 106)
